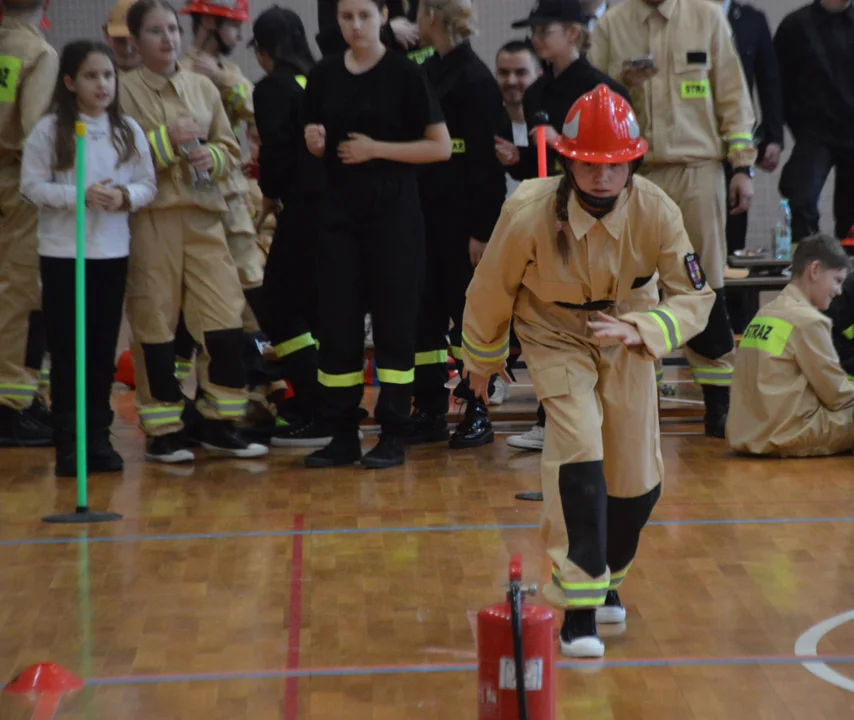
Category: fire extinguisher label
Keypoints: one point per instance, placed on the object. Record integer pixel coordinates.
(533, 674)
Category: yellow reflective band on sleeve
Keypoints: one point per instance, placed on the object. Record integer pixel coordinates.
(669, 326)
(768, 334)
(696, 89)
(848, 332)
(456, 352)
(585, 594)
(289, 347)
(11, 390)
(218, 162)
(493, 353)
(163, 153)
(10, 69)
(458, 146)
(431, 357)
(302, 80)
(396, 377)
(712, 376)
(236, 97)
(341, 381)
(739, 141)
(419, 56)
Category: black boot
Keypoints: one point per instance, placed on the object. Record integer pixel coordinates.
(387, 453)
(101, 457)
(22, 429)
(343, 449)
(65, 440)
(426, 428)
(716, 398)
(475, 429)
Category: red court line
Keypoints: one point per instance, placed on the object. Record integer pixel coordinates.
(295, 624)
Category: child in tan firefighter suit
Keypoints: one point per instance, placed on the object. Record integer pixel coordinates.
(790, 395)
(179, 258)
(28, 69)
(574, 260)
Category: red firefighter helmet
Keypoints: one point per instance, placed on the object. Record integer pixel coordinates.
(601, 127)
(228, 9)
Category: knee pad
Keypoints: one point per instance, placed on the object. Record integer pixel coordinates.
(34, 352)
(716, 340)
(225, 348)
(584, 500)
(160, 371)
(626, 518)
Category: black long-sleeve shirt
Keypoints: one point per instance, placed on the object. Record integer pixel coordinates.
(815, 50)
(464, 195)
(555, 96)
(287, 168)
(841, 313)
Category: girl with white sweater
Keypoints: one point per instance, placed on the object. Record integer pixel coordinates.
(119, 179)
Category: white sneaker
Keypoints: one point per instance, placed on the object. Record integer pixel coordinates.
(500, 393)
(531, 440)
(582, 647)
(610, 615)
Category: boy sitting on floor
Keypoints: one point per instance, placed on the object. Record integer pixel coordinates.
(790, 395)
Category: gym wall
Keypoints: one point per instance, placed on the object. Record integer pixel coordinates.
(73, 19)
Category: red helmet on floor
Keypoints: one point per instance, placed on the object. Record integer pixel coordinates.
(228, 9)
(601, 127)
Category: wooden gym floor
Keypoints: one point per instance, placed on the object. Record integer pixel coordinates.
(258, 589)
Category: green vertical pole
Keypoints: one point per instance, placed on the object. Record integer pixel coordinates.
(80, 315)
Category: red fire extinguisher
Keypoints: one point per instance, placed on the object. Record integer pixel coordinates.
(511, 636)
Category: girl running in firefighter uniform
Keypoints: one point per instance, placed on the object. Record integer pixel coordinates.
(574, 260)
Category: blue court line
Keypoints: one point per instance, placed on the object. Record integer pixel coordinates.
(462, 667)
(384, 530)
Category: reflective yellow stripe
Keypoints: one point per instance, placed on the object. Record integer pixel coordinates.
(457, 352)
(182, 369)
(20, 391)
(396, 377)
(10, 69)
(584, 594)
(218, 162)
(669, 326)
(226, 407)
(236, 97)
(419, 56)
(458, 146)
(696, 89)
(302, 81)
(618, 577)
(848, 332)
(289, 347)
(340, 381)
(151, 417)
(163, 153)
(768, 334)
(431, 357)
(496, 352)
(712, 376)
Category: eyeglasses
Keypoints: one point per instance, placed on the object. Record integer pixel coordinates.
(542, 31)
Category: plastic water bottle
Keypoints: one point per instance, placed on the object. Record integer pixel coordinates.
(783, 233)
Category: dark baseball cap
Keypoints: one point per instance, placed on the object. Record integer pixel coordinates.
(549, 11)
(272, 25)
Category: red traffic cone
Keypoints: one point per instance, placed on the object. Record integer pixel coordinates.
(125, 371)
(45, 678)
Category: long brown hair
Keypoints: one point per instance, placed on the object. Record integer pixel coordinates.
(64, 106)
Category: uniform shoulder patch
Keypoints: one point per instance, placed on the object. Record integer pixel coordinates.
(695, 271)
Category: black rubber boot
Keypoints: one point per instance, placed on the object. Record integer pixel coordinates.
(343, 449)
(101, 457)
(65, 441)
(476, 428)
(426, 428)
(387, 453)
(23, 429)
(716, 399)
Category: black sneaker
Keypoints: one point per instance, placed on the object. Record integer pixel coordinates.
(387, 453)
(343, 449)
(716, 400)
(22, 429)
(101, 456)
(476, 428)
(426, 428)
(40, 412)
(169, 449)
(578, 636)
(612, 612)
(222, 437)
(300, 435)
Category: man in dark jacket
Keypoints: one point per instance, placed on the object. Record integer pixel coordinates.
(759, 61)
(815, 50)
(841, 313)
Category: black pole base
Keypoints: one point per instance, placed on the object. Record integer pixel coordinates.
(530, 496)
(81, 516)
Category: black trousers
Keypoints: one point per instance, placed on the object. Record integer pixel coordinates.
(290, 300)
(736, 239)
(372, 259)
(803, 179)
(105, 292)
(447, 277)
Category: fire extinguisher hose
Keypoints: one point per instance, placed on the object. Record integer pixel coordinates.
(518, 651)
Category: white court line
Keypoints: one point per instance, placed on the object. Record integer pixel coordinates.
(807, 644)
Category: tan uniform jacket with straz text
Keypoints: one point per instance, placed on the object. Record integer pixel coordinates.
(787, 380)
(523, 274)
(698, 107)
(156, 102)
(28, 70)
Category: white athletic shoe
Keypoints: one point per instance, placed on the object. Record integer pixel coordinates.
(531, 440)
(501, 393)
(612, 612)
(582, 647)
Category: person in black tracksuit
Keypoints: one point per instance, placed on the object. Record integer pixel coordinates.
(841, 314)
(461, 200)
(372, 115)
(289, 175)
